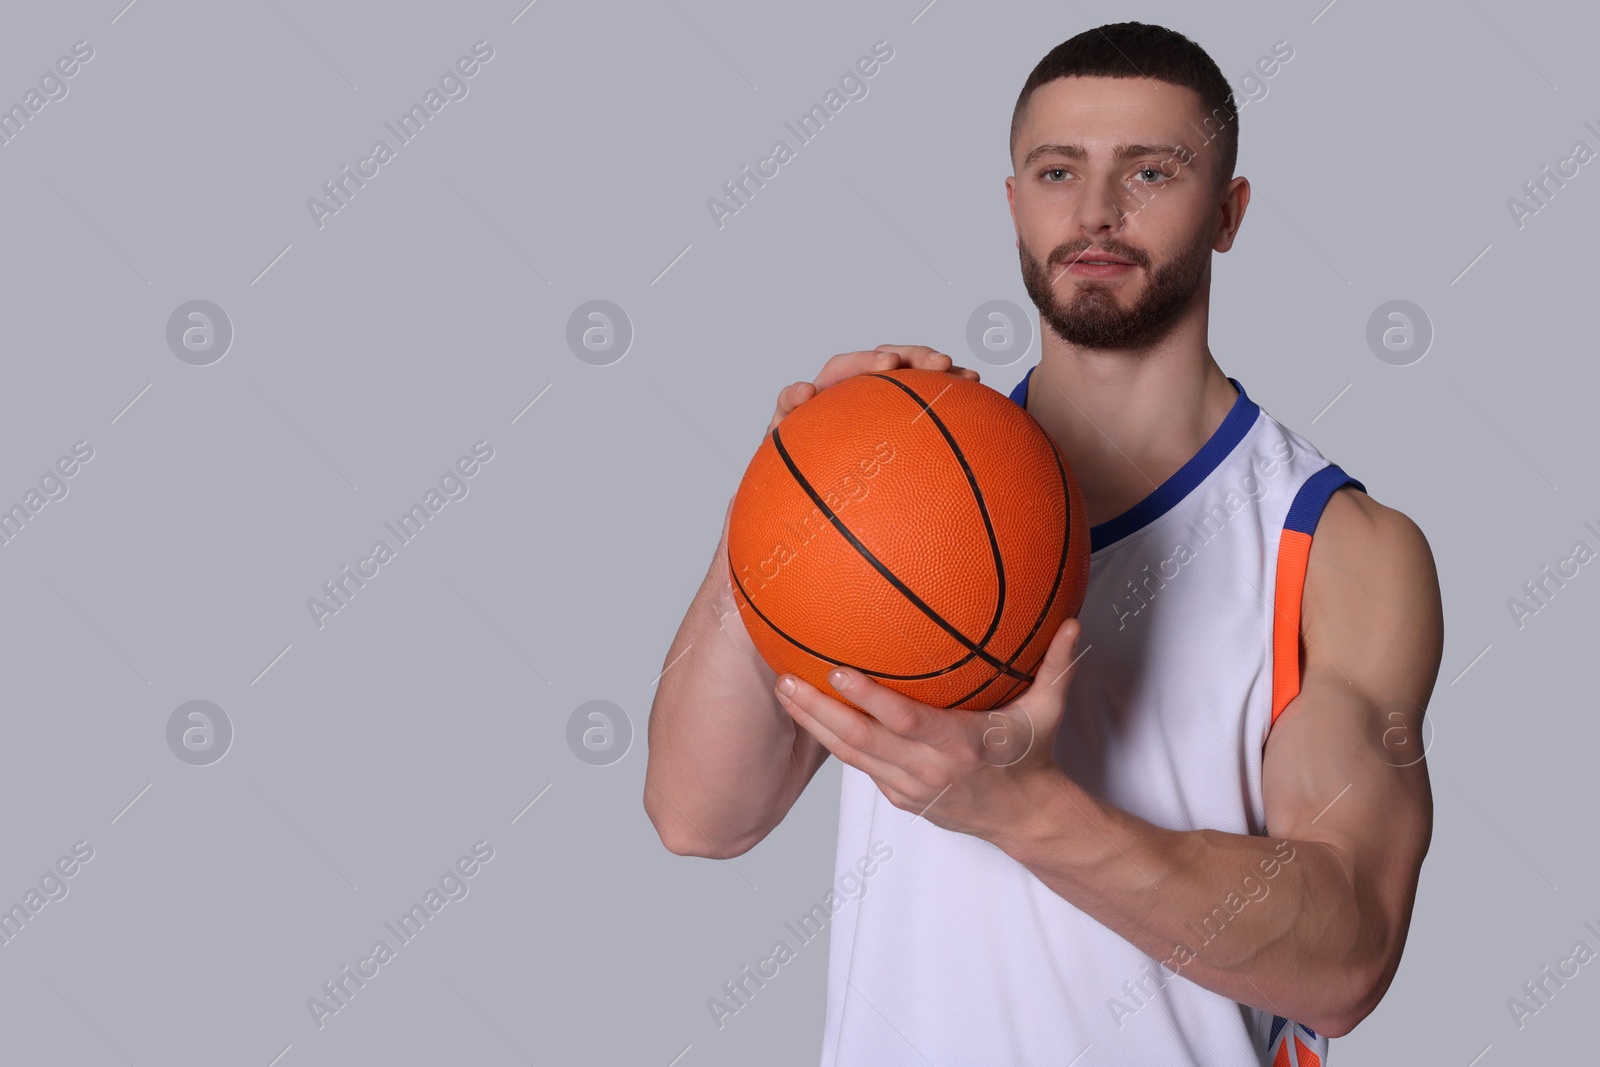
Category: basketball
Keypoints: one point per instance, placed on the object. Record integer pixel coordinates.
(914, 526)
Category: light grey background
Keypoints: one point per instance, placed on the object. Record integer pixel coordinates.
(369, 354)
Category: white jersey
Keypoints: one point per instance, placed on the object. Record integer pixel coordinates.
(955, 955)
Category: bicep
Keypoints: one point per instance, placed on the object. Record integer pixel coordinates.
(1343, 763)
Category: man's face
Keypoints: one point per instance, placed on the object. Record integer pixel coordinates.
(1081, 193)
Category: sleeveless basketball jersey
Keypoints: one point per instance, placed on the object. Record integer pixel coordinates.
(953, 954)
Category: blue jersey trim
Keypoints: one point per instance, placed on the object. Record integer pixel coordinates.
(1020, 393)
(1166, 496)
(1313, 497)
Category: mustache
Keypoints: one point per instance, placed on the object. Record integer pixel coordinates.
(1064, 257)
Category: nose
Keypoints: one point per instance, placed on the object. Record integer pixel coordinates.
(1098, 209)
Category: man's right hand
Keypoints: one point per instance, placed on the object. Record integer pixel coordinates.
(849, 364)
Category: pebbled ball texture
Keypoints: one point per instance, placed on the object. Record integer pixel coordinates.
(913, 525)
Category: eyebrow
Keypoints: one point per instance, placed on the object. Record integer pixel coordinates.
(1121, 151)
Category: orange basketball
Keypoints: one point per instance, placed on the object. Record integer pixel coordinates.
(913, 525)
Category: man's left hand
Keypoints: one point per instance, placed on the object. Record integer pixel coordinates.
(975, 772)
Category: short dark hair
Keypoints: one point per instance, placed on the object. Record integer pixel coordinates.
(1140, 50)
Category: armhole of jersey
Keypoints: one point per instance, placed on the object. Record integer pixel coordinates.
(1294, 550)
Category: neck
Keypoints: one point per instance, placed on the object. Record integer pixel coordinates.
(1128, 420)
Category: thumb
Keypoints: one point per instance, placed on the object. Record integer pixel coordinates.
(1008, 734)
(1055, 671)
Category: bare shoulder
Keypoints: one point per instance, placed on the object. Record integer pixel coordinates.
(1372, 592)
(1369, 545)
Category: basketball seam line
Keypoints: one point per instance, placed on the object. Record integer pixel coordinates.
(883, 570)
(1006, 668)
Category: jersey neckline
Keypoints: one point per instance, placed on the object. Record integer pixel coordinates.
(1162, 499)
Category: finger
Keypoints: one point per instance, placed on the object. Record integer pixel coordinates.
(920, 356)
(794, 395)
(884, 357)
(857, 739)
(789, 398)
(849, 364)
(903, 715)
(1055, 671)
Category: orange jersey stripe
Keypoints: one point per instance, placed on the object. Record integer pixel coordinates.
(1294, 550)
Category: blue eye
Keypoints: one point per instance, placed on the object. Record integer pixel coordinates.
(1055, 170)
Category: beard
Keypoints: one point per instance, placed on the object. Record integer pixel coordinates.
(1094, 319)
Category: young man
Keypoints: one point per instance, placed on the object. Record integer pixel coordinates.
(1208, 853)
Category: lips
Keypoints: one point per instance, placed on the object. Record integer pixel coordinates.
(1100, 258)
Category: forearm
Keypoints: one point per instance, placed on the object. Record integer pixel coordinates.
(721, 747)
(1280, 925)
